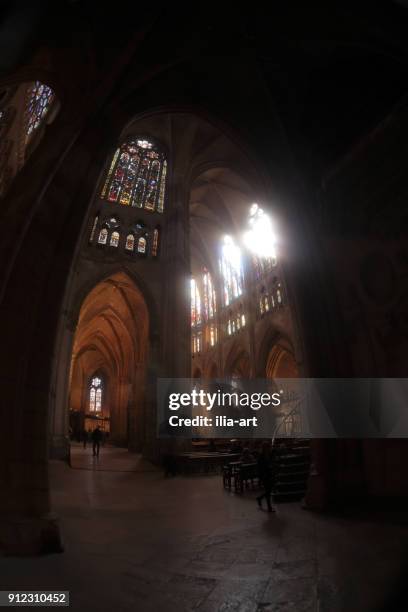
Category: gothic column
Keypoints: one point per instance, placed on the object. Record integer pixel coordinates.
(175, 314)
(176, 260)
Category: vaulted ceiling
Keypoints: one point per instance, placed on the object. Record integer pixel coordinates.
(111, 334)
(327, 72)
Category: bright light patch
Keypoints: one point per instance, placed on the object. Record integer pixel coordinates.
(144, 144)
(231, 253)
(260, 238)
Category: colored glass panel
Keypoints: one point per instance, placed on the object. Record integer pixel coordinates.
(98, 400)
(155, 247)
(114, 241)
(130, 242)
(231, 270)
(39, 100)
(195, 304)
(160, 205)
(103, 236)
(136, 176)
(141, 245)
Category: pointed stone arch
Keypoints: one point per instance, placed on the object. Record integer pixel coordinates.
(112, 334)
(238, 363)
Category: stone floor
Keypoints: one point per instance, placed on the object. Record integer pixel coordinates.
(137, 541)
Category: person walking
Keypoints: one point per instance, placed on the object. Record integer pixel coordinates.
(265, 473)
(96, 441)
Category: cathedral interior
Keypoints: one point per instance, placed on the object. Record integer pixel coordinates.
(200, 192)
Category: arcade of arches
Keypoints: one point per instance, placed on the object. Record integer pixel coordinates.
(173, 222)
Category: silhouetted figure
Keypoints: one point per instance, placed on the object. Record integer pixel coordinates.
(96, 441)
(265, 473)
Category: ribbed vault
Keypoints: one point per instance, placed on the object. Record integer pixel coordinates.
(111, 339)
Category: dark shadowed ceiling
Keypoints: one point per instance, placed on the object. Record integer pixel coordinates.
(331, 71)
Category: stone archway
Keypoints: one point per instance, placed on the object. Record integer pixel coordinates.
(111, 338)
(281, 363)
(238, 364)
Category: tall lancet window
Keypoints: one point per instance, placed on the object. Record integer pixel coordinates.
(261, 241)
(195, 304)
(39, 99)
(137, 176)
(95, 394)
(210, 303)
(231, 270)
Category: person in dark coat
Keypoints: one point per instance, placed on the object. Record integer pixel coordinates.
(265, 473)
(96, 441)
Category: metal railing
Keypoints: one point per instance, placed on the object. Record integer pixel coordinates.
(294, 412)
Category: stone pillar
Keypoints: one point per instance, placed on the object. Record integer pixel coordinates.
(59, 442)
(175, 350)
(322, 476)
(176, 260)
(26, 524)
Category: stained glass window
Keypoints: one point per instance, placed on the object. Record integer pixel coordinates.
(103, 236)
(213, 335)
(263, 301)
(137, 176)
(98, 400)
(160, 205)
(260, 238)
(39, 100)
(210, 306)
(155, 246)
(231, 270)
(130, 242)
(114, 241)
(92, 396)
(195, 304)
(141, 245)
(266, 303)
(95, 394)
(263, 265)
(279, 297)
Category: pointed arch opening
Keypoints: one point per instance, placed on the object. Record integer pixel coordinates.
(108, 364)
